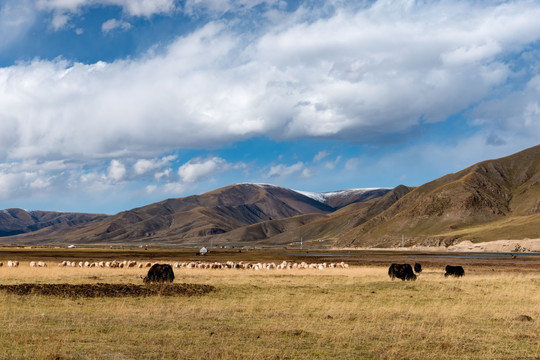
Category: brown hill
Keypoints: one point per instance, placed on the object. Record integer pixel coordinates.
(194, 219)
(323, 229)
(326, 231)
(19, 221)
(491, 200)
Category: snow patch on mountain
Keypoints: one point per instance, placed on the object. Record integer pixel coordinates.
(325, 196)
(322, 197)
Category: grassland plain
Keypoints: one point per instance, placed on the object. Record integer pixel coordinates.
(355, 313)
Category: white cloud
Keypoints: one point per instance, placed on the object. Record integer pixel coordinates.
(63, 10)
(330, 165)
(174, 188)
(143, 166)
(131, 7)
(321, 155)
(163, 174)
(307, 173)
(116, 171)
(352, 75)
(16, 17)
(113, 24)
(60, 21)
(32, 178)
(282, 170)
(198, 169)
(9, 184)
(40, 183)
(151, 188)
(219, 7)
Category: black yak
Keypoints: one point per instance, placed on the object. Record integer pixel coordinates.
(401, 271)
(456, 271)
(160, 273)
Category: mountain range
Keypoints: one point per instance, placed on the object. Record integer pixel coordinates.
(491, 200)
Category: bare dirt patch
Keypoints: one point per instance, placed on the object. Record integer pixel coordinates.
(108, 290)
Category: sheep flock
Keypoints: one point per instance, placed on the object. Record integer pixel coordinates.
(190, 265)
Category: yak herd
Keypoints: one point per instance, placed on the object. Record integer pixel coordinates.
(164, 272)
(406, 271)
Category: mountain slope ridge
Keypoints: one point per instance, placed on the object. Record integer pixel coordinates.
(196, 217)
(481, 194)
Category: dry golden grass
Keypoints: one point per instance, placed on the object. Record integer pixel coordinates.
(355, 313)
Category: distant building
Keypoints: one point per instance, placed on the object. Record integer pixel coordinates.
(72, 246)
(203, 251)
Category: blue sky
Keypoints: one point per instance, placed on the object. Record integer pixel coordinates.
(106, 105)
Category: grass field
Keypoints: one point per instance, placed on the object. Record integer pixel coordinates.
(355, 313)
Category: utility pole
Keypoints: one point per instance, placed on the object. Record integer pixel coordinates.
(402, 241)
(301, 242)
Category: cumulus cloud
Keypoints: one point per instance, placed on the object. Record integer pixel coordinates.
(199, 169)
(282, 170)
(143, 166)
(116, 171)
(353, 75)
(113, 24)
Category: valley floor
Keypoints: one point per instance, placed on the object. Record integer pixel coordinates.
(355, 313)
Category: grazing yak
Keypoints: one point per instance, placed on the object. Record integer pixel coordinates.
(456, 271)
(160, 273)
(401, 271)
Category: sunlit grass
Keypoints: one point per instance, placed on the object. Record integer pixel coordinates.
(336, 313)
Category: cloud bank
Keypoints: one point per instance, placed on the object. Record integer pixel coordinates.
(353, 76)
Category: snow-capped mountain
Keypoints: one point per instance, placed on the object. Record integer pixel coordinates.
(338, 199)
